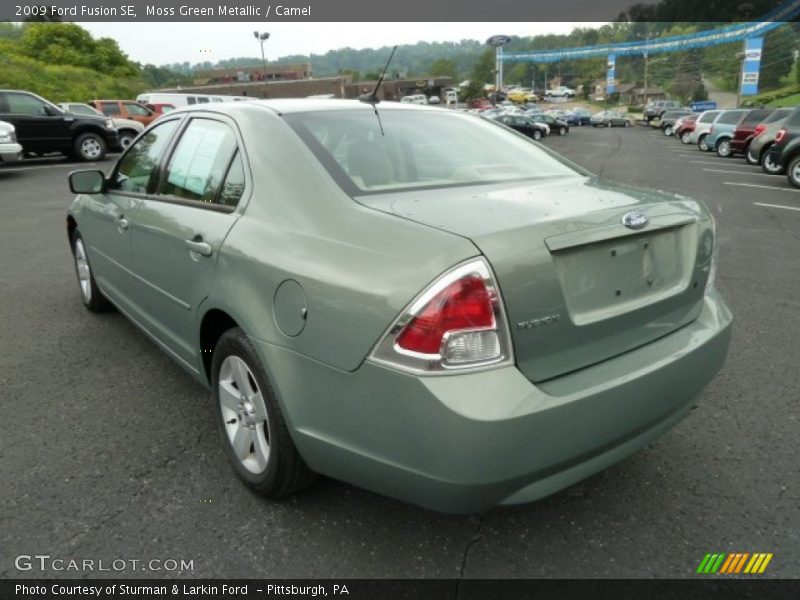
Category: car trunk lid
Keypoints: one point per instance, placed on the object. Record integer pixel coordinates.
(579, 286)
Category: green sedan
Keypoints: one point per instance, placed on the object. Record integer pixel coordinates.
(408, 299)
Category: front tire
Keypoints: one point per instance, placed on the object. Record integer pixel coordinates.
(562, 131)
(537, 135)
(793, 172)
(93, 298)
(89, 147)
(250, 421)
(668, 130)
(686, 138)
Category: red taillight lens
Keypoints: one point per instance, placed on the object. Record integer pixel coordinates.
(759, 128)
(464, 304)
(780, 135)
(458, 322)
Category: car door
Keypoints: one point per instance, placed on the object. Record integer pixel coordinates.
(177, 233)
(105, 220)
(40, 126)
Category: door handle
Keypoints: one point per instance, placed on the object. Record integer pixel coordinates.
(122, 223)
(201, 248)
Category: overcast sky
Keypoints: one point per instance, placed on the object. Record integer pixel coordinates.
(163, 43)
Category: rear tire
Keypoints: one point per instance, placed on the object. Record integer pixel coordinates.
(751, 157)
(537, 135)
(701, 143)
(93, 298)
(126, 138)
(767, 165)
(562, 131)
(89, 147)
(250, 421)
(668, 130)
(686, 138)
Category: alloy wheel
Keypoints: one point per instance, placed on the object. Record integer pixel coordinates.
(244, 414)
(84, 272)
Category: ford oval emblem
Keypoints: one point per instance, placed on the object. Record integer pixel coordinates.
(635, 220)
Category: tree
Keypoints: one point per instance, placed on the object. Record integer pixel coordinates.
(444, 68)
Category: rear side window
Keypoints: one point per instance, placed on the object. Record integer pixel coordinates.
(24, 104)
(708, 117)
(795, 118)
(200, 161)
(140, 161)
(233, 186)
(110, 109)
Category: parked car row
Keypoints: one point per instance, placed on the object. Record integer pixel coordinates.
(85, 131)
(769, 137)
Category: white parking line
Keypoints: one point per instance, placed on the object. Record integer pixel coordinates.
(737, 172)
(777, 206)
(51, 166)
(733, 164)
(763, 187)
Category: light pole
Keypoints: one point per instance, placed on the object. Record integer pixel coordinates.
(262, 37)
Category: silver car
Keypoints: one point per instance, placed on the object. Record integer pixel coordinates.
(10, 150)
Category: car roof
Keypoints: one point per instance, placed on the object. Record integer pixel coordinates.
(301, 105)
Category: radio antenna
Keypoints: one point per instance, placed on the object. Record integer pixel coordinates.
(373, 97)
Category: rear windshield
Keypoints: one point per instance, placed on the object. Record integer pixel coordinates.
(409, 149)
(756, 116)
(730, 118)
(707, 117)
(779, 114)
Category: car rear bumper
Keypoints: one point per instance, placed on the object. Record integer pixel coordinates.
(464, 443)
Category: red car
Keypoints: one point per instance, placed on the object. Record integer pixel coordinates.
(481, 103)
(684, 127)
(748, 128)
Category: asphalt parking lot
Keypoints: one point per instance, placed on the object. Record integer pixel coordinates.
(110, 452)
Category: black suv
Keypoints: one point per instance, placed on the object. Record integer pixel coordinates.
(43, 128)
(785, 152)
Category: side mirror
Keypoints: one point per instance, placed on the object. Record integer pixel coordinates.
(87, 182)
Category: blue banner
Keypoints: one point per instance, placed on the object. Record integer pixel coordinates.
(751, 65)
(611, 81)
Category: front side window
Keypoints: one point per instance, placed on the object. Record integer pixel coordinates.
(405, 149)
(137, 166)
(24, 104)
(200, 161)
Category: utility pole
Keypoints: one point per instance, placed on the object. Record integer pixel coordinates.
(646, 67)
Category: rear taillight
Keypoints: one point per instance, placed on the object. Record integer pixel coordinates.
(759, 128)
(780, 135)
(458, 322)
